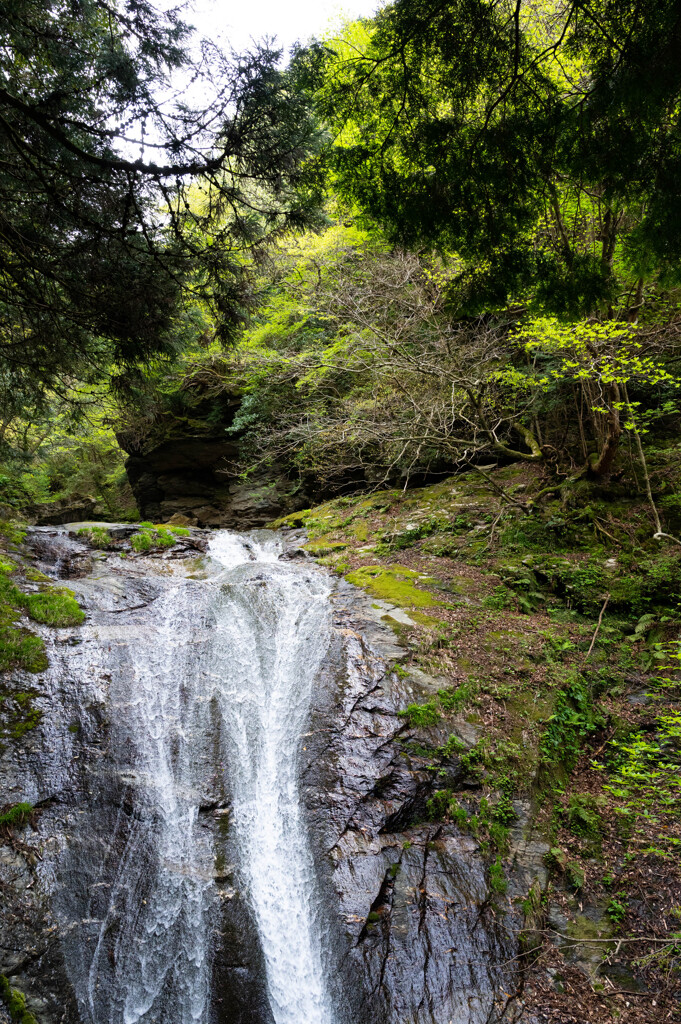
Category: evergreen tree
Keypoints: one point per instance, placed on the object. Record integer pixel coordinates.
(539, 141)
(115, 200)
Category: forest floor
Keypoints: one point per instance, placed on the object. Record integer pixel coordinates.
(552, 627)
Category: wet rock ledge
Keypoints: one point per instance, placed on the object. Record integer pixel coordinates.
(415, 930)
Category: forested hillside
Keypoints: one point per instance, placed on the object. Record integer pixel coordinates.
(417, 293)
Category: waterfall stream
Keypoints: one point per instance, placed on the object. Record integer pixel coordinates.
(273, 627)
(215, 697)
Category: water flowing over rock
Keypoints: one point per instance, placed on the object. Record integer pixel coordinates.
(229, 829)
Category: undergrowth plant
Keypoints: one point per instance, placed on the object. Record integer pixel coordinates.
(160, 536)
(644, 767)
(575, 717)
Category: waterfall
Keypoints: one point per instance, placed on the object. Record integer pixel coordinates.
(273, 629)
(231, 660)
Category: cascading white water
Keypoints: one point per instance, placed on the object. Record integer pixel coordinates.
(232, 656)
(273, 629)
(160, 901)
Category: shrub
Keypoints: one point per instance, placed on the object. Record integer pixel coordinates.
(444, 804)
(141, 541)
(500, 837)
(617, 907)
(454, 699)
(583, 816)
(96, 536)
(504, 811)
(498, 882)
(574, 718)
(151, 536)
(163, 537)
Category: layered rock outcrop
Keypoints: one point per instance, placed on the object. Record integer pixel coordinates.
(192, 468)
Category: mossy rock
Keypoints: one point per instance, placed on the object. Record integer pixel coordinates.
(17, 713)
(15, 1001)
(294, 520)
(321, 548)
(54, 606)
(35, 576)
(394, 583)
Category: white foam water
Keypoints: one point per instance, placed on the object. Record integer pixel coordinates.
(161, 899)
(273, 628)
(233, 656)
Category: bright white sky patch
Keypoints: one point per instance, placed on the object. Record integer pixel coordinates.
(236, 23)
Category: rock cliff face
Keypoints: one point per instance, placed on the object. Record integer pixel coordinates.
(191, 476)
(421, 936)
(412, 929)
(191, 468)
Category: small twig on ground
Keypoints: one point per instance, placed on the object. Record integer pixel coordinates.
(598, 626)
(499, 489)
(489, 543)
(630, 938)
(625, 992)
(603, 744)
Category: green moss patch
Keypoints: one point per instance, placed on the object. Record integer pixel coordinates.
(19, 648)
(394, 583)
(15, 1001)
(16, 816)
(54, 606)
(22, 649)
(321, 547)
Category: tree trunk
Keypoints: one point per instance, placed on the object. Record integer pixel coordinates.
(601, 465)
(634, 310)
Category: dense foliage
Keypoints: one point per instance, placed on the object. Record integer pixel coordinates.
(118, 202)
(539, 142)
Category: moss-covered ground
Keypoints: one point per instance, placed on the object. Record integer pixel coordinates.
(25, 596)
(554, 627)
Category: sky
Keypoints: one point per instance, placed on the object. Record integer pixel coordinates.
(236, 23)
